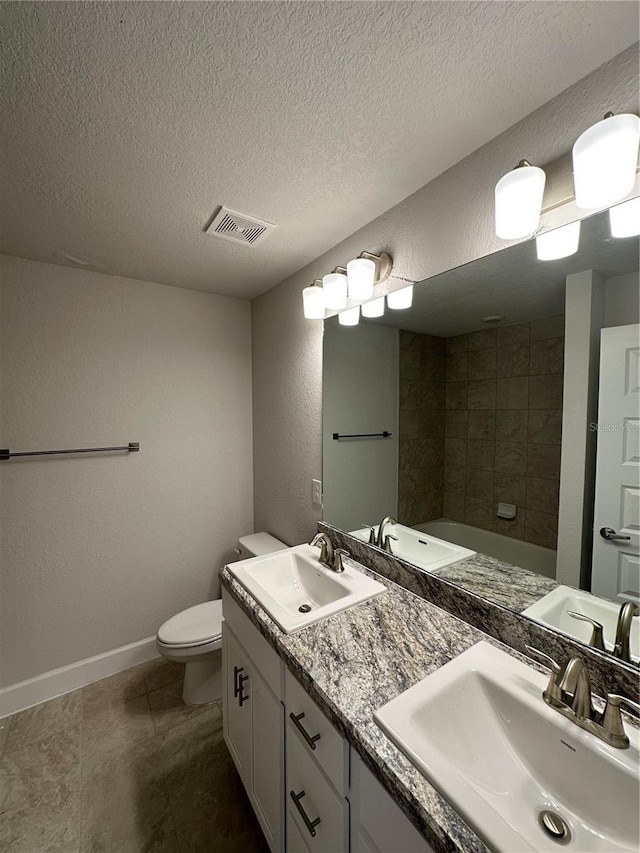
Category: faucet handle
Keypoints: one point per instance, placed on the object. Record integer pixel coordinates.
(612, 719)
(372, 533)
(596, 640)
(552, 694)
(387, 542)
(338, 556)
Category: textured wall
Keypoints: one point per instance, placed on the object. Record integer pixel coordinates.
(504, 428)
(446, 223)
(422, 425)
(97, 552)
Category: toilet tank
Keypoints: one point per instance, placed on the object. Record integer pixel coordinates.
(257, 544)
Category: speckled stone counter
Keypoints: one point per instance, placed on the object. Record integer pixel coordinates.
(356, 661)
(503, 583)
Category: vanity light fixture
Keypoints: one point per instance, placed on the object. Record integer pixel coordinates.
(559, 243)
(350, 317)
(334, 286)
(605, 158)
(313, 301)
(373, 308)
(400, 299)
(518, 201)
(357, 281)
(625, 219)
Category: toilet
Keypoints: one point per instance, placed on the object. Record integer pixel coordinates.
(194, 636)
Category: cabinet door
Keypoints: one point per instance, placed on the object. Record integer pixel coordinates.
(268, 759)
(237, 704)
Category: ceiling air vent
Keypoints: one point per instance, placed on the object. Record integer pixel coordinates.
(231, 225)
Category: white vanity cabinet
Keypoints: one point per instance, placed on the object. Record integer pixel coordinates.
(253, 718)
(309, 790)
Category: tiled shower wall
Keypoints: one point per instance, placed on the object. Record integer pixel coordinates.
(422, 428)
(504, 426)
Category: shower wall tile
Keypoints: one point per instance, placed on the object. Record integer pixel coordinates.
(504, 395)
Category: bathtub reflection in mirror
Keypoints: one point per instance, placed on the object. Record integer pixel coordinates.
(491, 401)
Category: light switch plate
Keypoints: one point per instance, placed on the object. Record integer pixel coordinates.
(316, 492)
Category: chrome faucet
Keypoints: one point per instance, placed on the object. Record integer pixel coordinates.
(388, 519)
(569, 693)
(328, 557)
(623, 630)
(326, 549)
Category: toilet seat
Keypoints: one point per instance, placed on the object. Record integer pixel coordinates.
(196, 626)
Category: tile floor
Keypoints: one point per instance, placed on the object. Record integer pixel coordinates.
(122, 766)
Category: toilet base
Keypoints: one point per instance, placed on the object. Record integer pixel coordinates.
(203, 680)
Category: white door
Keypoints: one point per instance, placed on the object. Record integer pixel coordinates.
(616, 533)
(237, 708)
(267, 788)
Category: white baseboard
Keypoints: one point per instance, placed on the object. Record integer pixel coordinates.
(24, 694)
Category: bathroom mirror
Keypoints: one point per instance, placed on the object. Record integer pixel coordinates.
(471, 416)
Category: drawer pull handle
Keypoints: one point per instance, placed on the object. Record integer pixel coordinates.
(309, 740)
(241, 697)
(310, 824)
(236, 672)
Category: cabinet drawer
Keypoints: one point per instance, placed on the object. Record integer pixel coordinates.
(318, 800)
(266, 660)
(330, 748)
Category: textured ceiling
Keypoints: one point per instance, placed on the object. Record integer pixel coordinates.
(127, 124)
(512, 283)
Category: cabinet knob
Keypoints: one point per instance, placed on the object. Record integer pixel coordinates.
(310, 824)
(310, 740)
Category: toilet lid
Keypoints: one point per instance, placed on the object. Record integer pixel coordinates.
(194, 625)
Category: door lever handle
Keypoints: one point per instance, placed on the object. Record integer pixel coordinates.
(610, 535)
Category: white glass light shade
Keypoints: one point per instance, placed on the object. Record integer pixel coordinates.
(400, 298)
(350, 317)
(361, 274)
(604, 161)
(373, 308)
(313, 303)
(625, 219)
(335, 290)
(519, 202)
(559, 243)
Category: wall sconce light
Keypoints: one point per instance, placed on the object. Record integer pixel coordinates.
(518, 201)
(625, 219)
(559, 243)
(373, 308)
(335, 290)
(400, 298)
(350, 317)
(604, 161)
(357, 280)
(313, 301)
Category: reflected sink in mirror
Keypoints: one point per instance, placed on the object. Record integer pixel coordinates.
(297, 591)
(480, 731)
(424, 551)
(552, 611)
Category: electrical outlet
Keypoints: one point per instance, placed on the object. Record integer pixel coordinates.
(316, 492)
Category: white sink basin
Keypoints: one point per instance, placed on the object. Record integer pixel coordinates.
(285, 581)
(480, 731)
(551, 610)
(425, 552)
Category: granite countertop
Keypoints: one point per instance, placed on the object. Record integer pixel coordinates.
(500, 582)
(355, 662)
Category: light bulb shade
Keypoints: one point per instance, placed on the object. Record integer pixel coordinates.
(313, 303)
(361, 273)
(625, 219)
(604, 161)
(350, 317)
(335, 290)
(400, 298)
(373, 308)
(519, 202)
(559, 243)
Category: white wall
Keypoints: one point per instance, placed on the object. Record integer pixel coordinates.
(622, 300)
(446, 223)
(360, 378)
(97, 551)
